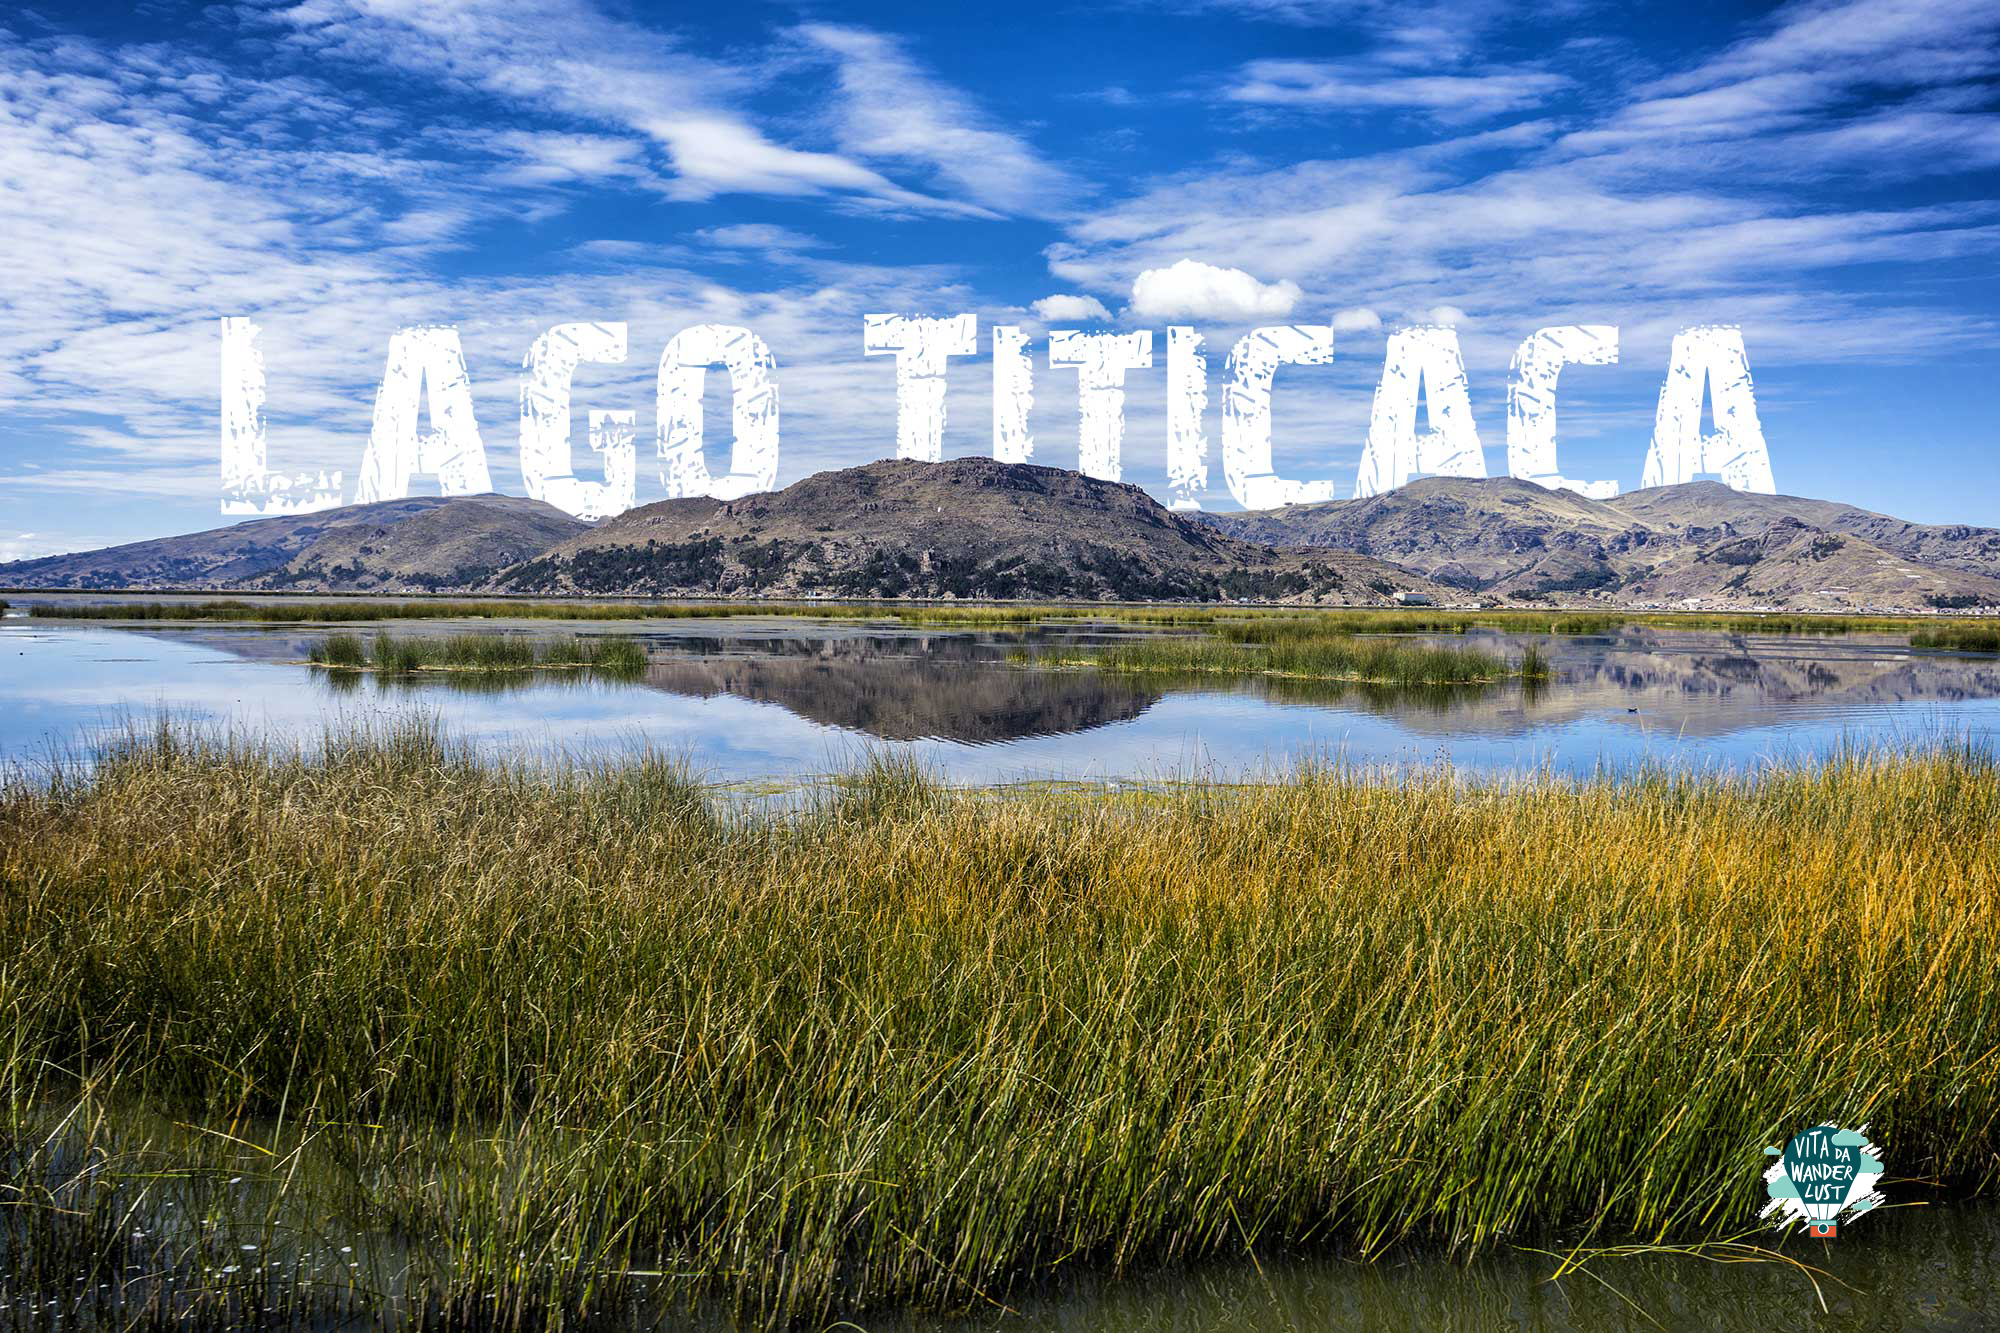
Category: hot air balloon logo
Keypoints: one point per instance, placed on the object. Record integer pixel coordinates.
(1822, 1173)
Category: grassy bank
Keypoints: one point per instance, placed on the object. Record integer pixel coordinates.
(479, 652)
(291, 612)
(295, 612)
(553, 1039)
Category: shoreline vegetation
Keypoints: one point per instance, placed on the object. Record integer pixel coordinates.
(1949, 631)
(606, 654)
(388, 1033)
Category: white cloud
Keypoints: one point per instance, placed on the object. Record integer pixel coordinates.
(1441, 314)
(1356, 319)
(1190, 289)
(1080, 308)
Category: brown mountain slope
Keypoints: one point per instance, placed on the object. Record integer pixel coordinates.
(1696, 543)
(414, 544)
(1794, 564)
(458, 544)
(215, 559)
(1706, 504)
(966, 527)
(1470, 534)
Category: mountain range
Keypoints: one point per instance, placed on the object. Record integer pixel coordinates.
(972, 527)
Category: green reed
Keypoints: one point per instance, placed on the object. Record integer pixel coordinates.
(1311, 648)
(392, 654)
(340, 650)
(1980, 637)
(562, 1038)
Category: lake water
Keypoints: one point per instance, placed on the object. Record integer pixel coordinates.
(768, 700)
(1935, 1268)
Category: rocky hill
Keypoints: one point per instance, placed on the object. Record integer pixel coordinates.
(422, 544)
(1700, 542)
(966, 527)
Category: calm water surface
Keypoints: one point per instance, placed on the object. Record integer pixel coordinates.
(772, 699)
(1908, 1268)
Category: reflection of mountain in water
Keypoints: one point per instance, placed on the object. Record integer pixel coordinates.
(959, 686)
(896, 687)
(951, 691)
(1705, 682)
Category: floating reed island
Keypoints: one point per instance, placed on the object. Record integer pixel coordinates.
(1311, 648)
(1982, 637)
(384, 1033)
(605, 654)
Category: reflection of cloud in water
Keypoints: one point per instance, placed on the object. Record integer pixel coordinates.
(891, 687)
(780, 704)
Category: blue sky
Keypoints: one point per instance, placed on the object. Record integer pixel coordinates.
(1822, 174)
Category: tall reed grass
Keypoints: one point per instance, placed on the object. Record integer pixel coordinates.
(541, 1033)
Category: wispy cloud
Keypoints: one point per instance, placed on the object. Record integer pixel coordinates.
(1836, 83)
(763, 237)
(108, 342)
(1645, 214)
(1337, 85)
(566, 57)
(890, 107)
